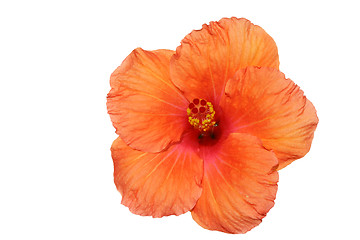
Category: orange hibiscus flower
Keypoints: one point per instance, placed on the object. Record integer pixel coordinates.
(205, 129)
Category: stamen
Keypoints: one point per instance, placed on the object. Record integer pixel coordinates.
(201, 115)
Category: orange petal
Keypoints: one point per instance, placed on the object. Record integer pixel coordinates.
(207, 58)
(143, 102)
(263, 103)
(157, 184)
(239, 185)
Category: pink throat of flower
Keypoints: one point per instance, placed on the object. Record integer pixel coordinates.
(201, 115)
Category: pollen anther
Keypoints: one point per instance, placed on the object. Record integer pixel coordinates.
(201, 115)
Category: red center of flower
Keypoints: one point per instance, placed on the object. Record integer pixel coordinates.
(201, 115)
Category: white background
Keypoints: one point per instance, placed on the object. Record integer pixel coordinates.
(55, 62)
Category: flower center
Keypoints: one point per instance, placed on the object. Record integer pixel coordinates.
(201, 115)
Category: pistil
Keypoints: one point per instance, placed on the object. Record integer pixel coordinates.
(201, 115)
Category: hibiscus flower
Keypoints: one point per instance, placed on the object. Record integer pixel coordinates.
(206, 128)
